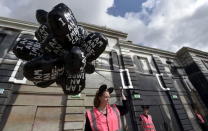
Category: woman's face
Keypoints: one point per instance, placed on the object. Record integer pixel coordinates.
(104, 99)
(146, 111)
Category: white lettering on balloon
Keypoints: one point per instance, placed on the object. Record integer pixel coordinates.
(75, 82)
(43, 33)
(19, 47)
(55, 47)
(78, 76)
(61, 20)
(73, 32)
(32, 46)
(91, 44)
(69, 17)
(40, 75)
(72, 88)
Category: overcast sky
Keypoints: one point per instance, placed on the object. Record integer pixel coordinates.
(163, 24)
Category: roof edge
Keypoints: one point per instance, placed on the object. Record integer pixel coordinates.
(188, 49)
(147, 49)
(25, 25)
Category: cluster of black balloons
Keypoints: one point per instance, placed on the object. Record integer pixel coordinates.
(63, 52)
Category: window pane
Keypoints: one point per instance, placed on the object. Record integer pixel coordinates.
(143, 65)
(103, 61)
(2, 37)
(138, 64)
(206, 64)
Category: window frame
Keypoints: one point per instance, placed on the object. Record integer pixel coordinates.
(2, 36)
(205, 62)
(138, 59)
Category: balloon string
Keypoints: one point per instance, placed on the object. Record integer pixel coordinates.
(101, 62)
(104, 57)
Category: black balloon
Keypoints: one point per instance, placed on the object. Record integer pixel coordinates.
(89, 68)
(43, 69)
(41, 16)
(63, 25)
(27, 49)
(74, 60)
(94, 45)
(65, 8)
(43, 31)
(72, 84)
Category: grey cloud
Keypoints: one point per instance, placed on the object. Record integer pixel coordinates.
(193, 29)
(87, 11)
(173, 33)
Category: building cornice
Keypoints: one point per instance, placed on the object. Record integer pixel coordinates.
(192, 50)
(149, 50)
(30, 26)
(17, 24)
(104, 30)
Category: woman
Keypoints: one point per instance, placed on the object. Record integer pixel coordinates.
(146, 119)
(200, 120)
(105, 117)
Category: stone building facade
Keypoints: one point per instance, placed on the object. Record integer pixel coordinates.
(171, 83)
